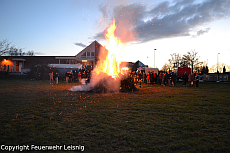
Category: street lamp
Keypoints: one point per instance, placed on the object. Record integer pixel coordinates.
(154, 57)
(217, 68)
(147, 60)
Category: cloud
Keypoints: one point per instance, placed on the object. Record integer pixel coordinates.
(137, 23)
(201, 32)
(80, 44)
(181, 18)
(126, 16)
(103, 10)
(39, 53)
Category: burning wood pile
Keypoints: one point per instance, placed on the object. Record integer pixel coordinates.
(127, 85)
(109, 85)
(108, 76)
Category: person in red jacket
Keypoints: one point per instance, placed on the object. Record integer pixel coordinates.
(148, 78)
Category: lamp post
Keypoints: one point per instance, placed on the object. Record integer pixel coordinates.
(154, 57)
(217, 67)
(147, 60)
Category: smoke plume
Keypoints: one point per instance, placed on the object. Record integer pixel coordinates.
(99, 79)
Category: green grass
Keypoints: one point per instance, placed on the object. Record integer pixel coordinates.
(153, 119)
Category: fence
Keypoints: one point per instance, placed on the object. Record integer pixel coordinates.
(216, 77)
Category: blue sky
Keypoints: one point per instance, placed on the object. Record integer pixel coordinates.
(53, 27)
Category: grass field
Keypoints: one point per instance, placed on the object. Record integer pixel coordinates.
(153, 119)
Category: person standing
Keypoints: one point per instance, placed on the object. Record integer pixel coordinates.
(151, 78)
(197, 80)
(192, 80)
(67, 77)
(135, 78)
(75, 74)
(71, 76)
(184, 78)
(189, 80)
(156, 78)
(51, 77)
(56, 77)
(140, 79)
(169, 79)
(148, 78)
(172, 79)
(143, 76)
(166, 78)
(79, 76)
(160, 78)
(163, 79)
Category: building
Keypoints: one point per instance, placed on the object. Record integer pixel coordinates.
(20, 64)
(88, 58)
(138, 64)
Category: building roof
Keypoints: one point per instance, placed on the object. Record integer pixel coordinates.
(18, 59)
(79, 66)
(89, 48)
(65, 57)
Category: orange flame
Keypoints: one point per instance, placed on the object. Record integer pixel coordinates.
(111, 65)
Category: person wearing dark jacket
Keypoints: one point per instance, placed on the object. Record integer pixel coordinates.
(75, 74)
(197, 80)
(56, 75)
(184, 78)
(169, 79)
(67, 77)
(160, 78)
(71, 76)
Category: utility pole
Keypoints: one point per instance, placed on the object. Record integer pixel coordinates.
(217, 68)
(154, 57)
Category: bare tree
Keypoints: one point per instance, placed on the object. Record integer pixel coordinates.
(165, 67)
(191, 59)
(7, 49)
(30, 53)
(175, 61)
(4, 47)
(221, 66)
(203, 69)
(15, 52)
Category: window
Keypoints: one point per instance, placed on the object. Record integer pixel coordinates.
(83, 55)
(92, 53)
(88, 54)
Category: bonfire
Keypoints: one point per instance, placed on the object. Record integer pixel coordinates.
(108, 74)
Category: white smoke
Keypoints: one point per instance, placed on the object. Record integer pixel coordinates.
(101, 79)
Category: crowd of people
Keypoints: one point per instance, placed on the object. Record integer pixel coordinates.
(191, 79)
(54, 76)
(77, 75)
(152, 78)
(71, 76)
(163, 78)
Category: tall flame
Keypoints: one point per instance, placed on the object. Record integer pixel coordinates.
(108, 68)
(111, 65)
